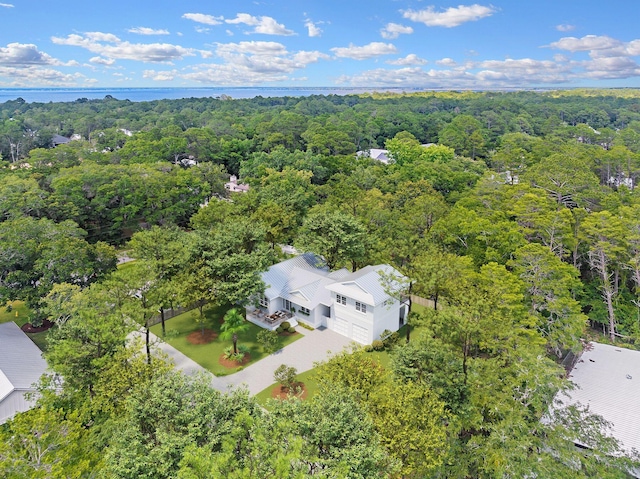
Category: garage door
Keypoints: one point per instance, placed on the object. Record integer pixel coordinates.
(341, 326)
(360, 334)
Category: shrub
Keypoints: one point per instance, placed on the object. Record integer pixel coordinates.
(36, 320)
(306, 326)
(286, 325)
(368, 348)
(231, 356)
(286, 376)
(268, 340)
(279, 329)
(389, 338)
(291, 329)
(9, 308)
(377, 345)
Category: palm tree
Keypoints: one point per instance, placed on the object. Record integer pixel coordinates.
(234, 323)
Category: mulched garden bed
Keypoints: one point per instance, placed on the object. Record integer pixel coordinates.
(278, 392)
(197, 337)
(228, 363)
(29, 328)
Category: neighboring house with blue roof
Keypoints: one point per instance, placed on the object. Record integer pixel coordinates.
(355, 305)
(21, 365)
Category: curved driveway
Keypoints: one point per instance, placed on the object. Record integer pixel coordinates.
(316, 345)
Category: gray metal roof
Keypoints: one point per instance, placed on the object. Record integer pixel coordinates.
(366, 284)
(608, 380)
(21, 362)
(296, 279)
(306, 281)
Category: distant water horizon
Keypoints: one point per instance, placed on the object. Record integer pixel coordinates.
(55, 95)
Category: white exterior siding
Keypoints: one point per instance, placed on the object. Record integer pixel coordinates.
(357, 305)
(387, 317)
(374, 321)
(14, 403)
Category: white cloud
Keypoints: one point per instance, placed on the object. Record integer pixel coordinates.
(238, 75)
(37, 76)
(446, 62)
(111, 47)
(253, 48)
(565, 27)
(611, 68)
(25, 54)
(102, 37)
(148, 31)
(160, 76)
(373, 49)
(451, 17)
(102, 61)
(511, 73)
(252, 63)
(586, 43)
(202, 29)
(6, 5)
(411, 77)
(264, 25)
(305, 58)
(393, 30)
(524, 71)
(411, 59)
(312, 28)
(633, 48)
(202, 18)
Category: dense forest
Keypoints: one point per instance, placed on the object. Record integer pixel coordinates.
(516, 213)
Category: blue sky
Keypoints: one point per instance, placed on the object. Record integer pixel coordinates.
(349, 43)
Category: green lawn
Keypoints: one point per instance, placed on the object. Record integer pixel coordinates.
(20, 315)
(208, 355)
(311, 384)
(126, 266)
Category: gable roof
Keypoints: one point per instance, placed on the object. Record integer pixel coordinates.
(297, 279)
(365, 285)
(306, 281)
(608, 381)
(59, 140)
(21, 362)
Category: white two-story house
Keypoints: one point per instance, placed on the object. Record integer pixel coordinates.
(357, 305)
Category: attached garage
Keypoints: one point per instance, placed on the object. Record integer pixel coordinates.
(361, 334)
(341, 326)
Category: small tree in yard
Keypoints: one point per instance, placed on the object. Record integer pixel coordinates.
(234, 323)
(268, 340)
(286, 376)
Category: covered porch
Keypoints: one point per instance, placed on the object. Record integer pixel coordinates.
(262, 318)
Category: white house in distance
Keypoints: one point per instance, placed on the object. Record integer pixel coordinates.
(21, 365)
(377, 154)
(356, 305)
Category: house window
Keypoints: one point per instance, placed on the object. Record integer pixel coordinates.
(264, 302)
(286, 304)
(305, 311)
(361, 307)
(341, 299)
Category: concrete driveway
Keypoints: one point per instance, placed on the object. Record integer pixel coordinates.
(316, 345)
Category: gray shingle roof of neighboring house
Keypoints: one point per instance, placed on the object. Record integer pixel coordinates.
(608, 380)
(21, 365)
(60, 140)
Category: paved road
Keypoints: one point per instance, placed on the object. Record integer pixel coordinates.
(315, 346)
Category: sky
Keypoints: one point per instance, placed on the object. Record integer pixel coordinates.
(323, 43)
